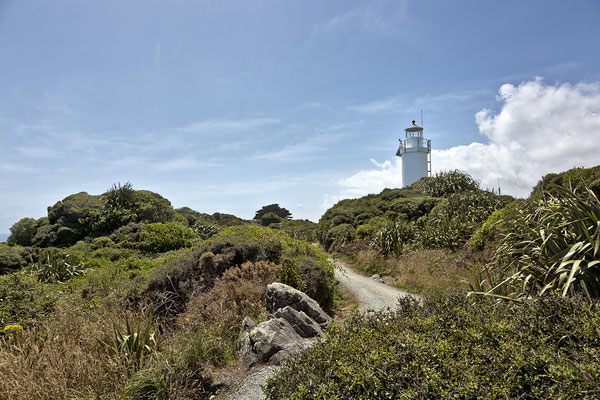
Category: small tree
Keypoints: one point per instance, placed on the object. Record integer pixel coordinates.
(275, 209)
(22, 232)
(269, 218)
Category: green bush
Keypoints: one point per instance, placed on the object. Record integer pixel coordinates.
(25, 300)
(169, 287)
(22, 232)
(160, 237)
(53, 266)
(446, 183)
(269, 218)
(452, 347)
(490, 227)
(15, 257)
(339, 235)
(552, 245)
(575, 178)
(392, 237)
(367, 231)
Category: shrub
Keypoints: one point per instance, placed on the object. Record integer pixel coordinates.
(452, 347)
(132, 345)
(205, 231)
(445, 183)
(391, 238)
(367, 231)
(54, 266)
(15, 257)
(22, 232)
(553, 244)
(160, 237)
(339, 236)
(269, 218)
(25, 300)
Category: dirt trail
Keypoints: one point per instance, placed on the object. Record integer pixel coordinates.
(372, 295)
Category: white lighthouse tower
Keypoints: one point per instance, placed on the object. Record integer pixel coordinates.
(415, 151)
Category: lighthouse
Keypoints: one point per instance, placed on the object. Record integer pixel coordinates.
(415, 151)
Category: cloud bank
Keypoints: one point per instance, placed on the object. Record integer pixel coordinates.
(538, 129)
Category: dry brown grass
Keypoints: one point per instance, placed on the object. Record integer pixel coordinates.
(60, 358)
(419, 271)
(240, 292)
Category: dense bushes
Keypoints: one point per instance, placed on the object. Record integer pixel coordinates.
(454, 348)
(551, 244)
(435, 212)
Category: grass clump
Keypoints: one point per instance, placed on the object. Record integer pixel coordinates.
(452, 347)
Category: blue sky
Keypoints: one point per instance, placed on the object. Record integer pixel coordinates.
(230, 105)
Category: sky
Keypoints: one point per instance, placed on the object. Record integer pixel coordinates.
(226, 106)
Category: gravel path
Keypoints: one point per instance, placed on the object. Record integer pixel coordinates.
(372, 294)
(251, 389)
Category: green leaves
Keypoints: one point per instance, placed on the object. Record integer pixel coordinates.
(53, 266)
(132, 345)
(554, 246)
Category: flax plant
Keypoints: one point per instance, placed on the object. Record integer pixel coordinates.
(132, 345)
(553, 247)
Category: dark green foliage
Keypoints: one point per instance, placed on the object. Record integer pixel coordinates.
(269, 218)
(367, 230)
(129, 234)
(72, 208)
(391, 237)
(445, 183)
(219, 219)
(15, 257)
(390, 204)
(552, 245)
(54, 266)
(22, 232)
(490, 229)
(339, 235)
(281, 212)
(575, 178)
(454, 348)
(300, 229)
(122, 205)
(453, 221)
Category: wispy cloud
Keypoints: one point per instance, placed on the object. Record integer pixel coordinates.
(379, 17)
(400, 104)
(312, 147)
(219, 126)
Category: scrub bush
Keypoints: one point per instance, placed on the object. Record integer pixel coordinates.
(453, 347)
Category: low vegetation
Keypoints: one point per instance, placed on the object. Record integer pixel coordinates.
(138, 300)
(122, 296)
(453, 347)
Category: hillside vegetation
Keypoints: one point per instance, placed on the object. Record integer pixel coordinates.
(513, 284)
(122, 296)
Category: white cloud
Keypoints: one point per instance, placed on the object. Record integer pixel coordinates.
(539, 129)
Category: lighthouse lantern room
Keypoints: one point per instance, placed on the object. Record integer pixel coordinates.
(415, 152)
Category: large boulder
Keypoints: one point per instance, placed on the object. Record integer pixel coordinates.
(279, 296)
(290, 328)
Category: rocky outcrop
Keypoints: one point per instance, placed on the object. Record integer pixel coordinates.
(279, 296)
(296, 323)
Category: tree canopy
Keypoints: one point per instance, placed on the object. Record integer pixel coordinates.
(275, 209)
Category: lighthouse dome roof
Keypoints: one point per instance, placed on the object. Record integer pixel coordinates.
(413, 128)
